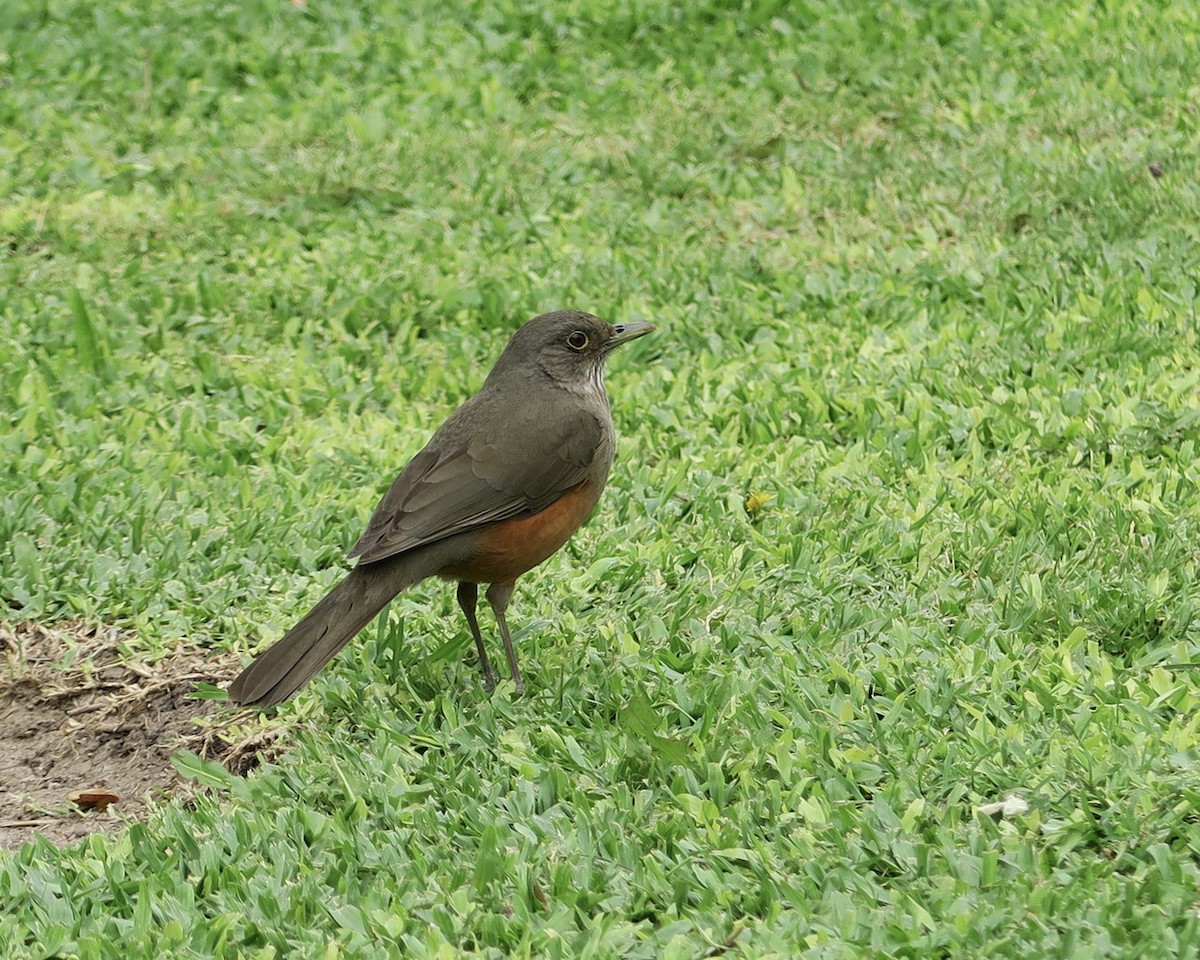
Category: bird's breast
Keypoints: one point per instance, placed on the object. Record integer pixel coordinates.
(509, 548)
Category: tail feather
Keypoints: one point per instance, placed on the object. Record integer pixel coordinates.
(295, 658)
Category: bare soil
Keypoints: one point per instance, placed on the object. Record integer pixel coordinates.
(77, 713)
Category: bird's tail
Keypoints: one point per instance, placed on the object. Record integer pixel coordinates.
(282, 669)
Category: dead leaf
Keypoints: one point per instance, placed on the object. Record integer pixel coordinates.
(1010, 806)
(756, 501)
(94, 798)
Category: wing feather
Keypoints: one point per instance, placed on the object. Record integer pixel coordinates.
(466, 477)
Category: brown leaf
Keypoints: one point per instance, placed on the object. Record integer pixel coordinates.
(94, 798)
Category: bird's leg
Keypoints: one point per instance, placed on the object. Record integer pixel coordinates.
(468, 597)
(498, 596)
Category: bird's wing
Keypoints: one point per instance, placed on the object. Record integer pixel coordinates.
(465, 478)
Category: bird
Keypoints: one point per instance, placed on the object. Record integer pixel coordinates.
(499, 487)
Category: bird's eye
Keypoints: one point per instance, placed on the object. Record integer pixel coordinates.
(577, 340)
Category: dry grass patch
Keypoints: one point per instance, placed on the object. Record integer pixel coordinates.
(77, 715)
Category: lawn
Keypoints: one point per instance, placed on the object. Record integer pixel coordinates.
(904, 521)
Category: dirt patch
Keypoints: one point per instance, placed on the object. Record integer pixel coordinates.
(78, 714)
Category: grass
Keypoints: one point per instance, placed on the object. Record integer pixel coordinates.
(925, 276)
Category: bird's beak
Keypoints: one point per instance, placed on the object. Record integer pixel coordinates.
(624, 332)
